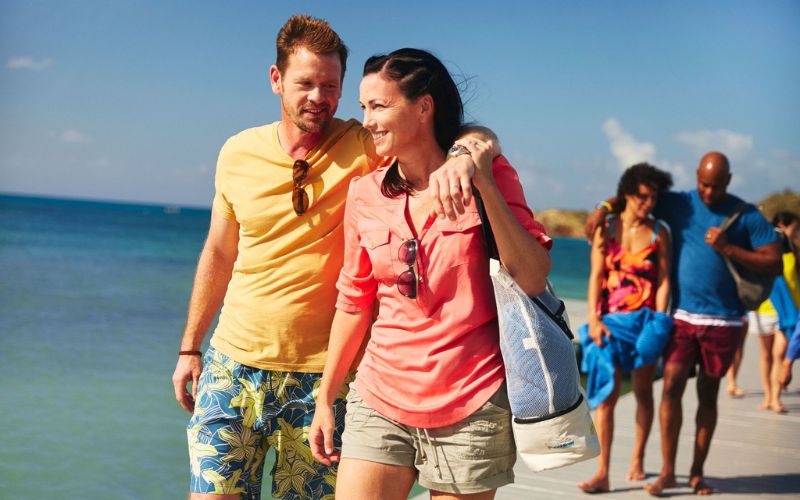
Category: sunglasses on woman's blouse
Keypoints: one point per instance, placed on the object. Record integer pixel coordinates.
(407, 281)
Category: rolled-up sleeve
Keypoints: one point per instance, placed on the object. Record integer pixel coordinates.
(508, 183)
(356, 284)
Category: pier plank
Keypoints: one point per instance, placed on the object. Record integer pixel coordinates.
(754, 453)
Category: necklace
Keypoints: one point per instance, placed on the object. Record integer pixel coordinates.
(632, 226)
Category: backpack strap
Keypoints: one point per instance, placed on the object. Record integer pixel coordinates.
(655, 233)
(611, 232)
(728, 222)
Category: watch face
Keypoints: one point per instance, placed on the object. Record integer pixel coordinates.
(457, 150)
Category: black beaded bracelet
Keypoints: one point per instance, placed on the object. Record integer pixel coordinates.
(190, 353)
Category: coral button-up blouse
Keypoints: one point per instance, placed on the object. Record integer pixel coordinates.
(433, 360)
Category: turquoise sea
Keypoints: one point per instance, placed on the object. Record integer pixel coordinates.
(92, 305)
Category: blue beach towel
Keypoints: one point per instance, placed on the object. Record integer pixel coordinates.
(793, 350)
(637, 339)
(781, 299)
(788, 316)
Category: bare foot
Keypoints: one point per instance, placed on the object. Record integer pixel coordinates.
(764, 405)
(636, 473)
(657, 487)
(735, 391)
(699, 486)
(597, 484)
(778, 408)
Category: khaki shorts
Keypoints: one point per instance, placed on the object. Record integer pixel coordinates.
(473, 455)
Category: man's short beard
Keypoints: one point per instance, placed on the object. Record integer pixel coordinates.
(310, 127)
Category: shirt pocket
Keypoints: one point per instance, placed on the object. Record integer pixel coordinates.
(376, 242)
(462, 239)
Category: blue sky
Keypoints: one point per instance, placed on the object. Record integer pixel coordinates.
(131, 101)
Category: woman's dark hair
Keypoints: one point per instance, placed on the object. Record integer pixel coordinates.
(642, 173)
(785, 218)
(417, 73)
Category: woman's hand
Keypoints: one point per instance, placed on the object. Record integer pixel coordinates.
(597, 331)
(320, 435)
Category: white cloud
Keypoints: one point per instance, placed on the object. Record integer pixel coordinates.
(682, 178)
(72, 136)
(28, 63)
(625, 148)
(733, 144)
(738, 147)
(628, 151)
(542, 188)
(782, 169)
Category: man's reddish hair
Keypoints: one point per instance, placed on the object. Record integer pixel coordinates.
(314, 34)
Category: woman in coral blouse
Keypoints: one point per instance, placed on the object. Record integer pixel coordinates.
(429, 401)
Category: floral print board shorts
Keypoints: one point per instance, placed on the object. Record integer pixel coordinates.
(240, 412)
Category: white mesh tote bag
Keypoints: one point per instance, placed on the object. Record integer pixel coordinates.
(551, 420)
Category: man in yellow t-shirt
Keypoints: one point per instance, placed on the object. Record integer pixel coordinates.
(271, 260)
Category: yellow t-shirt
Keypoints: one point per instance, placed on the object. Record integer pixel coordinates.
(281, 298)
(790, 275)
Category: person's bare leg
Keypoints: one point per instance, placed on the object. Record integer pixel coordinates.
(211, 496)
(484, 495)
(786, 373)
(778, 352)
(670, 419)
(706, 422)
(765, 362)
(604, 423)
(364, 480)
(733, 388)
(643, 391)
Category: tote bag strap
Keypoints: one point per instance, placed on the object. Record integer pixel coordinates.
(555, 307)
(486, 227)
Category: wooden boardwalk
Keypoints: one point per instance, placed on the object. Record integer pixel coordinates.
(754, 453)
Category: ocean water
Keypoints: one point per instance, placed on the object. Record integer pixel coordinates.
(92, 303)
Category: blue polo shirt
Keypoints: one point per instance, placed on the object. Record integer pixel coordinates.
(701, 283)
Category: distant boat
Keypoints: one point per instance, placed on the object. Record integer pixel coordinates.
(172, 209)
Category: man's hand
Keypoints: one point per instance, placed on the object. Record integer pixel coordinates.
(482, 153)
(716, 239)
(187, 370)
(449, 186)
(595, 219)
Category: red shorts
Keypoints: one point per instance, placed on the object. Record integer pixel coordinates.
(710, 345)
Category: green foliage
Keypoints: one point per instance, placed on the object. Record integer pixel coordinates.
(563, 223)
(786, 200)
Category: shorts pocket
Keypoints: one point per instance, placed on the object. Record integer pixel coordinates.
(485, 434)
(357, 412)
